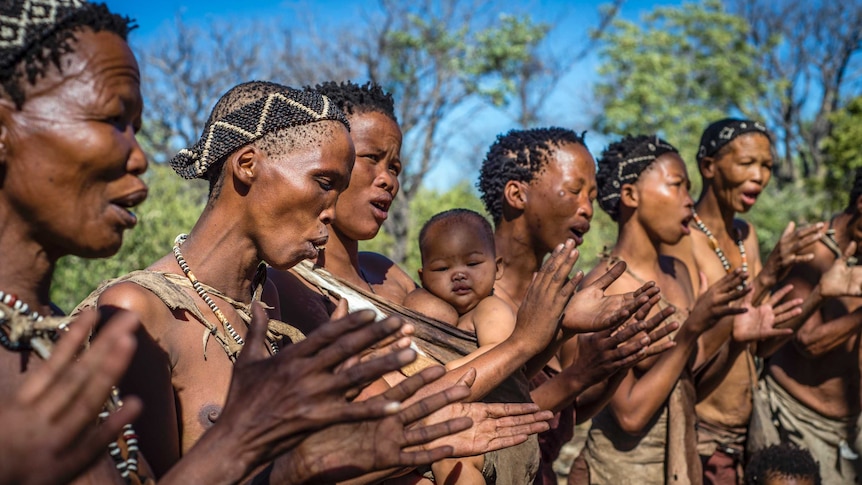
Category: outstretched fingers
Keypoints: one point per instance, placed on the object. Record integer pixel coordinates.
(254, 348)
(610, 276)
(336, 350)
(408, 387)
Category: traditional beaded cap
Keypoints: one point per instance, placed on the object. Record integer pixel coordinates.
(24, 23)
(276, 109)
(622, 163)
(725, 131)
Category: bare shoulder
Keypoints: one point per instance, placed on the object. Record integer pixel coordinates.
(387, 278)
(135, 298)
(424, 302)
(494, 305)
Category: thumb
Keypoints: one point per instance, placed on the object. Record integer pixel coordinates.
(468, 378)
(704, 283)
(789, 229)
(851, 250)
(254, 349)
(341, 310)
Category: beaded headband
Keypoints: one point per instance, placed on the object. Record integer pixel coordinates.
(612, 177)
(23, 24)
(725, 131)
(285, 108)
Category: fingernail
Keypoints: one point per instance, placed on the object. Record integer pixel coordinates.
(645, 341)
(392, 407)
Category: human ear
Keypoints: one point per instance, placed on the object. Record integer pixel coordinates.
(499, 263)
(515, 194)
(629, 195)
(245, 164)
(707, 167)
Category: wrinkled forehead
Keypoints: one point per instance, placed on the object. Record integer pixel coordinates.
(97, 60)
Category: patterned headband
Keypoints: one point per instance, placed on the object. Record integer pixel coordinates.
(285, 108)
(725, 131)
(25, 23)
(611, 177)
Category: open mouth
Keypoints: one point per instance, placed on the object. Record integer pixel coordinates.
(749, 198)
(319, 244)
(577, 233)
(685, 224)
(126, 203)
(382, 204)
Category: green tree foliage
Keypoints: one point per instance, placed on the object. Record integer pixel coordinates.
(844, 151)
(674, 72)
(442, 59)
(172, 207)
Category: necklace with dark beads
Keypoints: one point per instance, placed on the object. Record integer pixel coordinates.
(713, 243)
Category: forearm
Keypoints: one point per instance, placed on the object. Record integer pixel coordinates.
(830, 335)
(712, 341)
(596, 397)
(560, 391)
(538, 362)
(492, 368)
(637, 404)
(763, 283)
(216, 458)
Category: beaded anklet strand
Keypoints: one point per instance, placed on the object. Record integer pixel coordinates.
(127, 466)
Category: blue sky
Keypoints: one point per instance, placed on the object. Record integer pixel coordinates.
(572, 107)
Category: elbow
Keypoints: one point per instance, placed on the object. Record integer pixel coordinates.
(632, 423)
(807, 346)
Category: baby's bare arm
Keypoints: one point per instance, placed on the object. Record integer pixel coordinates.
(422, 301)
(494, 322)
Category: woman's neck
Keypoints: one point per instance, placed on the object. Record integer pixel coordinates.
(26, 267)
(639, 250)
(520, 259)
(341, 257)
(222, 256)
(717, 216)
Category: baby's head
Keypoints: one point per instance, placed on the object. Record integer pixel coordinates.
(459, 261)
(784, 464)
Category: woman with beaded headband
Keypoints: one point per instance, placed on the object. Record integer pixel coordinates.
(646, 434)
(735, 160)
(276, 159)
(70, 104)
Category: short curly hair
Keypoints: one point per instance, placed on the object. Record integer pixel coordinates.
(782, 460)
(518, 155)
(352, 98)
(45, 46)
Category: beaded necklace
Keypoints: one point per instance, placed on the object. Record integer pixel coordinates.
(28, 330)
(713, 243)
(202, 292)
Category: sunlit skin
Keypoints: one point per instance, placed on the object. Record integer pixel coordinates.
(654, 210)
(279, 206)
(733, 180)
(820, 368)
(69, 171)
